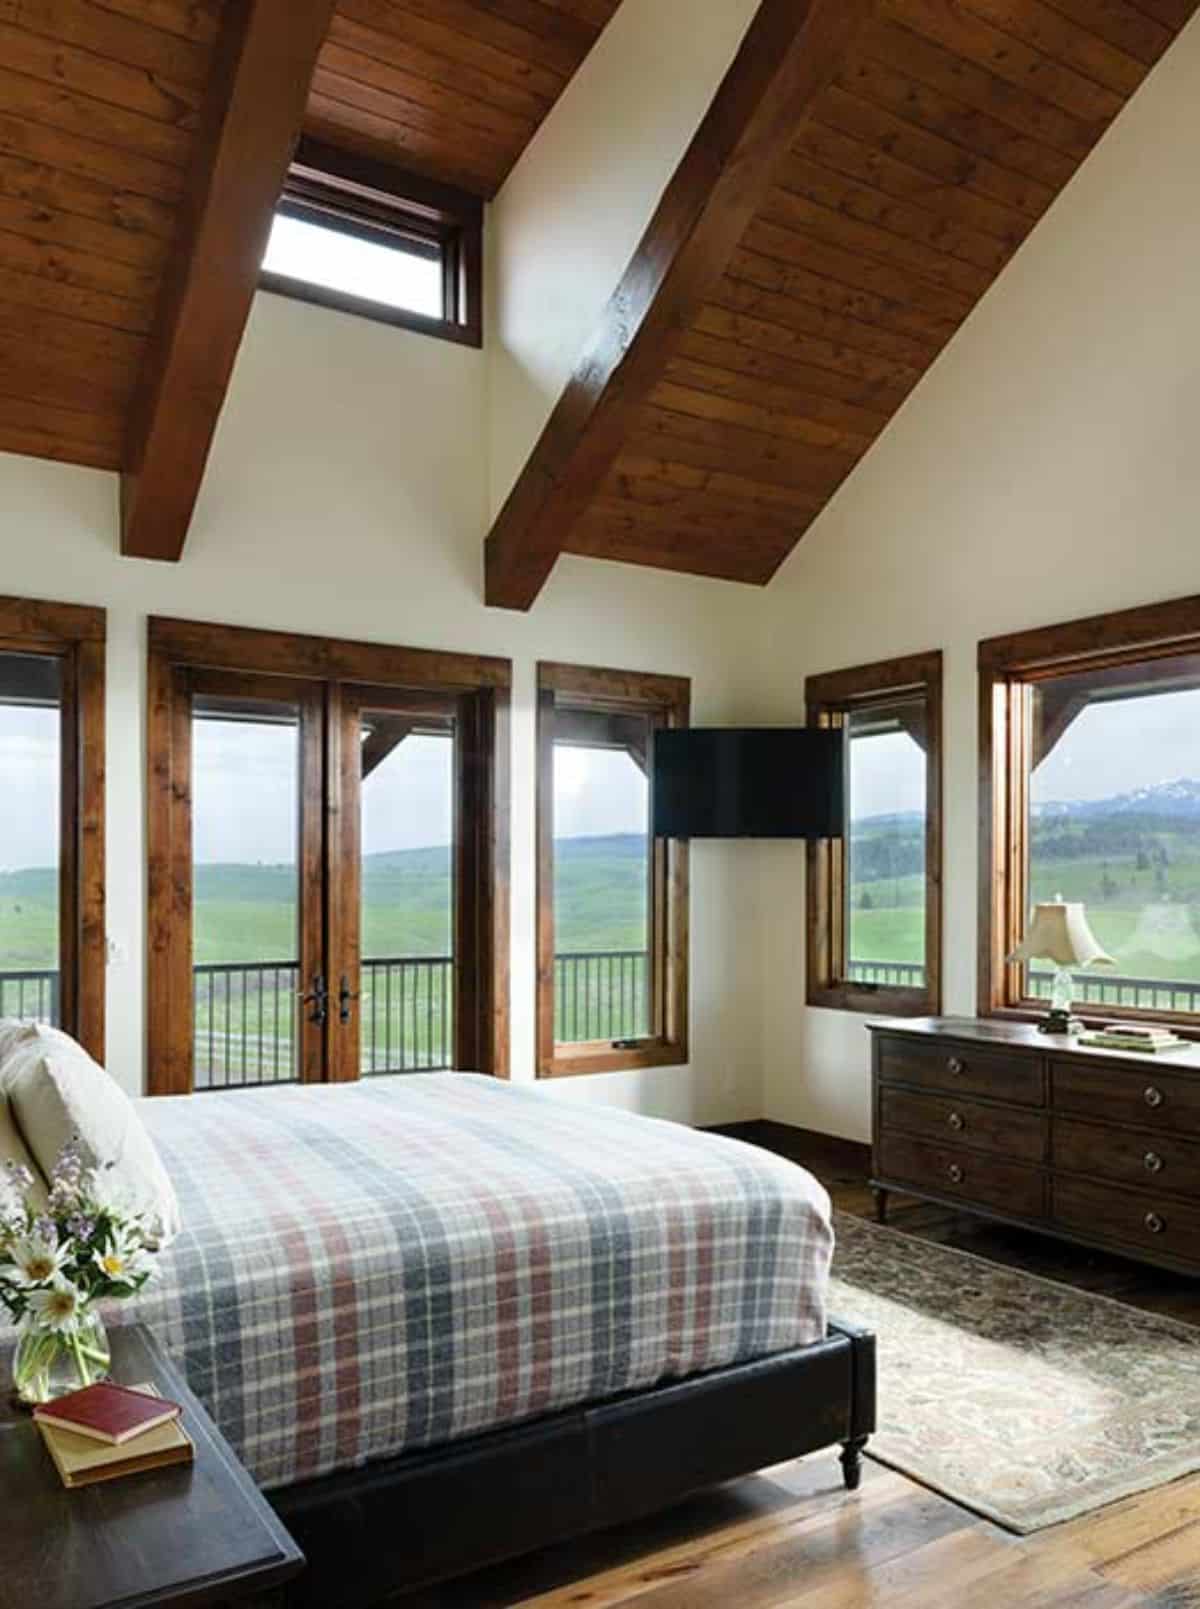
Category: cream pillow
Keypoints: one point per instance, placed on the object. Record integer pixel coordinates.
(12, 1149)
(58, 1092)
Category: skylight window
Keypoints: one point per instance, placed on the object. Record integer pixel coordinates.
(363, 237)
(395, 274)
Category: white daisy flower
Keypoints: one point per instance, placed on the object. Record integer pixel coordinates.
(58, 1307)
(124, 1260)
(32, 1261)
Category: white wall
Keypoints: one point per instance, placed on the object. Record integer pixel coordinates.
(346, 495)
(567, 222)
(1047, 468)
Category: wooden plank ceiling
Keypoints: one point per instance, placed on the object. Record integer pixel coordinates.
(910, 182)
(101, 105)
(451, 89)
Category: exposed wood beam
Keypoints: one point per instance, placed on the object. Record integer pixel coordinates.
(251, 119)
(586, 729)
(791, 52)
(383, 740)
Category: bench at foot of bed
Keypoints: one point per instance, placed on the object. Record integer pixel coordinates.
(426, 1516)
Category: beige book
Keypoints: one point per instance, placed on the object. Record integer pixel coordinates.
(82, 1461)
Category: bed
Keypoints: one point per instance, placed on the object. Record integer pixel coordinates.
(443, 1319)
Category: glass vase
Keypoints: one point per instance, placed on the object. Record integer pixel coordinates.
(48, 1363)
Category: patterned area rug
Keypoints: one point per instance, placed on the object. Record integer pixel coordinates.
(1022, 1399)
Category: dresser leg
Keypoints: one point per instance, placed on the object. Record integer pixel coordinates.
(881, 1199)
(851, 1460)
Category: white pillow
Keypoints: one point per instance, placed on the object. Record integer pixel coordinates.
(58, 1092)
(12, 1149)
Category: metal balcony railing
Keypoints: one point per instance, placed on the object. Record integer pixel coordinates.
(246, 1012)
(246, 1015)
(32, 996)
(889, 974)
(601, 994)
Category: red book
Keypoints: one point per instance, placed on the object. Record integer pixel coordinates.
(107, 1412)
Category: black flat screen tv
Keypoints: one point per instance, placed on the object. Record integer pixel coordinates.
(748, 782)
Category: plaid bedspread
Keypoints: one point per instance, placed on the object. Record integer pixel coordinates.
(391, 1264)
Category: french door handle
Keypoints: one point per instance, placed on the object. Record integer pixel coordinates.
(345, 996)
(317, 998)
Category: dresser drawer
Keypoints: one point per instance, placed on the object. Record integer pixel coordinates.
(1135, 1220)
(1144, 1096)
(1148, 1161)
(942, 1170)
(961, 1069)
(1013, 1133)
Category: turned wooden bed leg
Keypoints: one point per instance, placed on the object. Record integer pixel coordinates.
(851, 1460)
(881, 1200)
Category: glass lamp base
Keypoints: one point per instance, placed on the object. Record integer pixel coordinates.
(1059, 1022)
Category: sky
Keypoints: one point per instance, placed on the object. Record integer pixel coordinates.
(1115, 748)
(887, 774)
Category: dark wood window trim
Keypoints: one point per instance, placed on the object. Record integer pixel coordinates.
(75, 635)
(178, 650)
(1006, 664)
(667, 701)
(830, 698)
(384, 204)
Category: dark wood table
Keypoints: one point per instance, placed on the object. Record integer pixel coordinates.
(188, 1537)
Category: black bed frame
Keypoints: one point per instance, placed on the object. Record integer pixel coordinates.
(404, 1522)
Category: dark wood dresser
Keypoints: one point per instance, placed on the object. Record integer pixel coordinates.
(1099, 1147)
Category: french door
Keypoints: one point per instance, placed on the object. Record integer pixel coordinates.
(323, 877)
(397, 952)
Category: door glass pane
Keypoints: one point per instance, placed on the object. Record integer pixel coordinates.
(885, 850)
(30, 765)
(1115, 822)
(246, 909)
(602, 866)
(406, 1009)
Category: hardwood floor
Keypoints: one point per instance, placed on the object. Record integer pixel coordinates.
(791, 1535)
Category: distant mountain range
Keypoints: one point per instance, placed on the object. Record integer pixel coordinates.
(1178, 799)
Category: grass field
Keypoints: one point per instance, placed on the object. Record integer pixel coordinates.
(245, 1024)
(1139, 877)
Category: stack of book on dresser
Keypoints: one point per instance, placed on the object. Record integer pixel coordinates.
(107, 1430)
(1128, 1036)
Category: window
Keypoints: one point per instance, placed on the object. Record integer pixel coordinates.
(52, 939)
(327, 859)
(874, 897)
(1091, 791)
(612, 900)
(358, 235)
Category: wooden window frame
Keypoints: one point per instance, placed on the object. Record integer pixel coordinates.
(75, 635)
(179, 648)
(362, 196)
(666, 700)
(830, 698)
(1100, 642)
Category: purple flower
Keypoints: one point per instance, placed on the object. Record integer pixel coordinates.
(44, 1228)
(81, 1227)
(68, 1169)
(20, 1175)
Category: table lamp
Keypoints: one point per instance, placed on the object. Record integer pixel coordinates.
(1059, 932)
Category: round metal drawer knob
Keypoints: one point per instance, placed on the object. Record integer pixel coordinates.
(955, 1065)
(957, 1122)
(1152, 1096)
(955, 1173)
(1154, 1163)
(1155, 1224)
